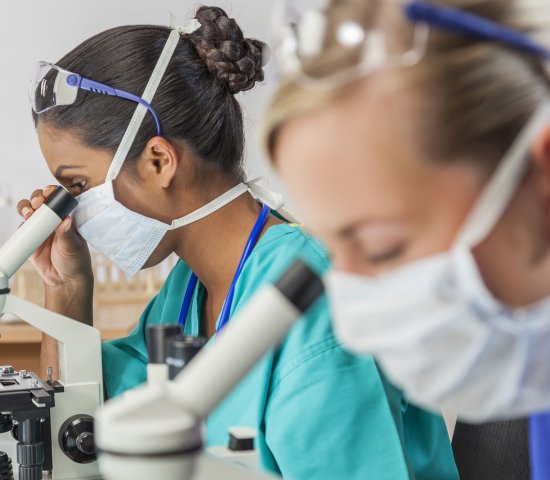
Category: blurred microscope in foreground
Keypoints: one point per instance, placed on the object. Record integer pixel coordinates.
(156, 429)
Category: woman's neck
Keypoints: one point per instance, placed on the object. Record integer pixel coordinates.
(212, 248)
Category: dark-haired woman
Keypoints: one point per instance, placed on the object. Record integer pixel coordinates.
(175, 184)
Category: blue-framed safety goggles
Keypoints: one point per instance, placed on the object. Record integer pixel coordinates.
(301, 30)
(53, 86)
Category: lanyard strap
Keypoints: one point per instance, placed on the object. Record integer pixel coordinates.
(539, 436)
(226, 310)
(187, 299)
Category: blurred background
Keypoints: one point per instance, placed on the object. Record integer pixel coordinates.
(46, 30)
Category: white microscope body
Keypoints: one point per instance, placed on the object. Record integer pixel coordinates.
(80, 345)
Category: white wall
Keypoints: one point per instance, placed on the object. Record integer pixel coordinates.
(33, 30)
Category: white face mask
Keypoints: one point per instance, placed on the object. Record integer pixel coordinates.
(436, 329)
(128, 238)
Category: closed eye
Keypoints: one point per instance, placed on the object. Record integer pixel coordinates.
(387, 256)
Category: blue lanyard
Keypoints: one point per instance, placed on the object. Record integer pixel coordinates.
(539, 433)
(250, 244)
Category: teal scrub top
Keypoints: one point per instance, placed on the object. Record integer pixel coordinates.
(321, 412)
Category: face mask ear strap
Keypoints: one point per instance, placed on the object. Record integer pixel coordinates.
(211, 207)
(504, 183)
(141, 110)
(274, 200)
(261, 193)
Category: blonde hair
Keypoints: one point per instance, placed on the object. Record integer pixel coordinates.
(473, 97)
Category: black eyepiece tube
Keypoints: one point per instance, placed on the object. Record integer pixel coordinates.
(300, 285)
(157, 336)
(61, 202)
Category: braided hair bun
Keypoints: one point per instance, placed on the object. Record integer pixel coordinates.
(235, 61)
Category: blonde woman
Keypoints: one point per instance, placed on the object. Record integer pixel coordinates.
(415, 140)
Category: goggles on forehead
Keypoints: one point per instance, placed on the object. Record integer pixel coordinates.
(53, 86)
(302, 31)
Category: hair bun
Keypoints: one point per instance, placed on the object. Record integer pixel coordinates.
(236, 61)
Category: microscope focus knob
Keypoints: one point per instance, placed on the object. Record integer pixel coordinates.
(85, 443)
(76, 438)
(6, 467)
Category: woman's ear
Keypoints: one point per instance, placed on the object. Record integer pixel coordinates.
(540, 154)
(159, 162)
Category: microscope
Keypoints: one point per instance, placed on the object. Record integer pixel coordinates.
(52, 421)
(152, 431)
(155, 430)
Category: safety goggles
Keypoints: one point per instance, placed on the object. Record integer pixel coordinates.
(303, 35)
(53, 86)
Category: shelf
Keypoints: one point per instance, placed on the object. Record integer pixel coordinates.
(22, 333)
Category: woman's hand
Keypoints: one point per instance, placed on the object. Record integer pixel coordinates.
(64, 258)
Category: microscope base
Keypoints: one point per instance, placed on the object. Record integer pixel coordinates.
(40, 409)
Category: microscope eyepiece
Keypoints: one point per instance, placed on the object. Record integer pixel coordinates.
(33, 232)
(61, 202)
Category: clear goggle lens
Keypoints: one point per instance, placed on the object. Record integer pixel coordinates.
(49, 88)
(351, 47)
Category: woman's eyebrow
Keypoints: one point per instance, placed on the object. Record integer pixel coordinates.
(59, 171)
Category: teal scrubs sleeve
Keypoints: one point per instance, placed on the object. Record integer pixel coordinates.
(125, 359)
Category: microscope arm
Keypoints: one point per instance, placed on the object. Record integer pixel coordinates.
(80, 349)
